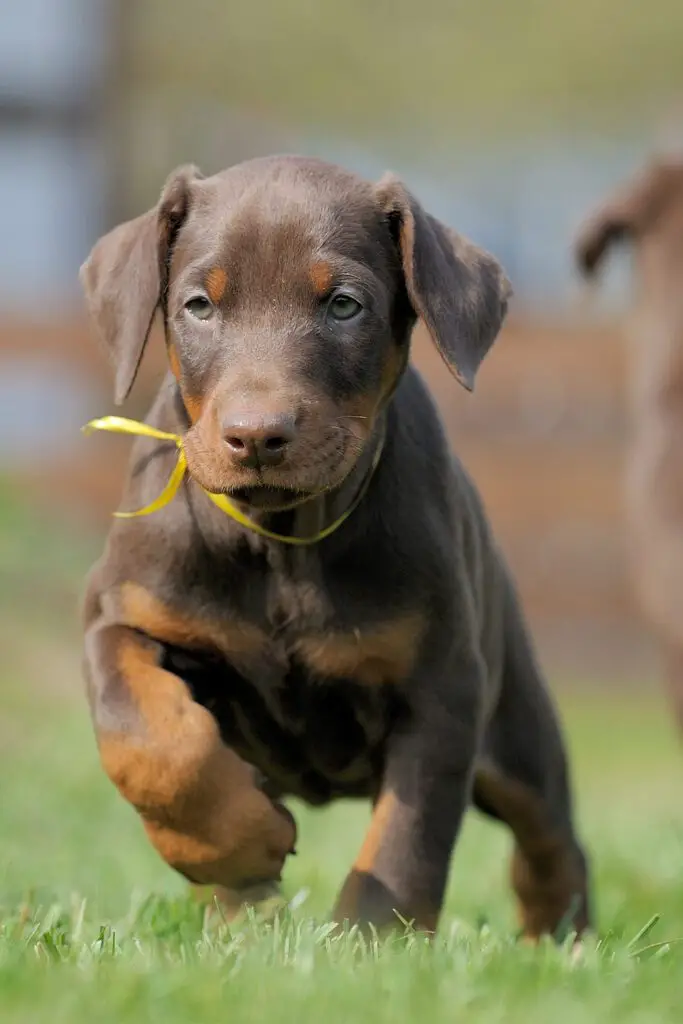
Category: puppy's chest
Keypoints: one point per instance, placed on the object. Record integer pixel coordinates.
(317, 740)
(281, 627)
(307, 692)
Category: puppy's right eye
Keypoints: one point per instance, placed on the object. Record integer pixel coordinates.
(199, 307)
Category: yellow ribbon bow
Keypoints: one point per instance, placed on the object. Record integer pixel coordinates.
(121, 425)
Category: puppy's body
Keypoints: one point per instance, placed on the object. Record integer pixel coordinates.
(387, 661)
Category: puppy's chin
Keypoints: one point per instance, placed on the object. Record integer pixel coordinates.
(270, 490)
(257, 493)
(268, 499)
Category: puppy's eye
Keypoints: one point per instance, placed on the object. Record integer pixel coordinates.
(344, 307)
(199, 307)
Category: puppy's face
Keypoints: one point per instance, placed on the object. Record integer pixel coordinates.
(287, 328)
(289, 289)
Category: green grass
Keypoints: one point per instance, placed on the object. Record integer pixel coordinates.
(93, 927)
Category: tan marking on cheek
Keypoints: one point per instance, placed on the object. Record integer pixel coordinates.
(321, 277)
(174, 361)
(380, 654)
(360, 412)
(142, 610)
(391, 371)
(216, 281)
(193, 406)
(362, 409)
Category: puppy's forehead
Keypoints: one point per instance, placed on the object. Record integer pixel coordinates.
(297, 178)
(307, 203)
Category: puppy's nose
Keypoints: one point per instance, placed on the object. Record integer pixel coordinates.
(258, 440)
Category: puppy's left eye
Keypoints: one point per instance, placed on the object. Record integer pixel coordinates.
(343, 307)
(199, 307)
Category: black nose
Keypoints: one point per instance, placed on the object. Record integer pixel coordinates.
(258, 440)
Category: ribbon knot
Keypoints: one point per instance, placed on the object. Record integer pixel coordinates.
(121, 425)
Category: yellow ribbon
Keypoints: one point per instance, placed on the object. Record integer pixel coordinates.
(121, 425)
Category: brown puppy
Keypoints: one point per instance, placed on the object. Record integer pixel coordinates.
(648, 214)
(389, 660)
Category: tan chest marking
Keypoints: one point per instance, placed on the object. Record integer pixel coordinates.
(234, 638)
(383, 653)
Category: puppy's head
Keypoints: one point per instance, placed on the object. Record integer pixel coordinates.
(638, 211)
(289, 289)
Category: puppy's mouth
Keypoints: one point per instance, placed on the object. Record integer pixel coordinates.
(269, 488)
(271, 499)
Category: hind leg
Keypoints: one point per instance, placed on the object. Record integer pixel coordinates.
(549, 872)
(522, 781)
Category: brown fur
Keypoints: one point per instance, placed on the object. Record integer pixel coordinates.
(226, 670)
(175, 771)
(546, 874)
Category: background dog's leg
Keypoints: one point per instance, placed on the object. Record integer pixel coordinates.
(523, 782)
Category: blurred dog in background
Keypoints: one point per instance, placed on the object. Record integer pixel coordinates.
(647, 213)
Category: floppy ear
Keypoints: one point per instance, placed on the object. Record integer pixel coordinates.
(126, 275)
(624, 216)
(460, 291)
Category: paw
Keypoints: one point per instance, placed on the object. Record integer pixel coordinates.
(264, 897)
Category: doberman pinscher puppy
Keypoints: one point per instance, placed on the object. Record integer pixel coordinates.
(371, 643)
(647, 213)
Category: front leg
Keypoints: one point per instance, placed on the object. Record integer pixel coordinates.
(402, 867)
(199, 802)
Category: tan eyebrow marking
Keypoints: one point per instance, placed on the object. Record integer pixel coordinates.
(216, 280)
(320, 274)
